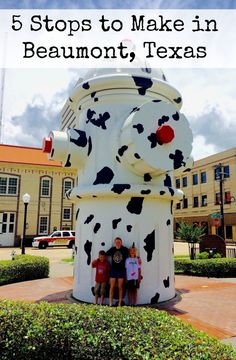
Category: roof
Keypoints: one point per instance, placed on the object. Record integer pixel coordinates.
(218, 157)
(25, 155)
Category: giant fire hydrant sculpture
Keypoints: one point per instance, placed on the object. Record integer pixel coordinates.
(125, 136)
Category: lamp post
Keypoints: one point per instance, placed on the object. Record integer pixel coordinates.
(220, 178)
(26, 200)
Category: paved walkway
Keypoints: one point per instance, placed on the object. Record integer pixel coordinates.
(207, 304)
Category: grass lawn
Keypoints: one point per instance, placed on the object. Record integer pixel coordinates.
(68, 260)
(178, 257)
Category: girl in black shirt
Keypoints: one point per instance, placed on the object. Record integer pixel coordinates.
(119, 254)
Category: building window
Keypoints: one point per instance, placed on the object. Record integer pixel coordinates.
(227, 197)
(185, 203)
(177, 183)
(204, 200)
(228, 232)
(11, 223)
(8, 185)
(7, 223)
(3, 185)
(226, 171)
(195, 201)
(177, 206)
(67, 185)
(45, 187)
(43, 225)
(185, 181)
(195, 179)
(222, 170)
(217, 199)
(67, 214)
(203, 177)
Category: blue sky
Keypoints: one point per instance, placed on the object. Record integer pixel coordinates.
(33, 97)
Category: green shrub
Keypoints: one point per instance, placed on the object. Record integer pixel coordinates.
(24, 267)
(203, 255)
(224, 267)
(59, 331)
(217, 256)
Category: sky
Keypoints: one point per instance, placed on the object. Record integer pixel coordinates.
(33, 98)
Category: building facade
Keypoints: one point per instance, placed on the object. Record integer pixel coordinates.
(202, 201)
(27, 170)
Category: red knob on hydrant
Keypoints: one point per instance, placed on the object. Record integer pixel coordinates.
(47, 145)
(165, 134)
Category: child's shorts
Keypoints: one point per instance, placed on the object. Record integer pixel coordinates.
(132, 284)
(100, 288)
(117, 274)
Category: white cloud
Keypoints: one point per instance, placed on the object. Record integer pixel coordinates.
(23, 86)
(209, 104)
(33, 101)
(202, 149)
(205, 88)
(33, 98)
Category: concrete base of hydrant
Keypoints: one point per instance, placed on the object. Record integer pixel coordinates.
(175, 299)
(142, 299)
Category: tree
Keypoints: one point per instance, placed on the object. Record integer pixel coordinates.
(191, 233)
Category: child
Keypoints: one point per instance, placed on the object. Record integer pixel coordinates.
(118, 254)
(102, 275)
(133, 274)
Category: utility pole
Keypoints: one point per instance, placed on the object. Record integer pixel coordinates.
(221, 180)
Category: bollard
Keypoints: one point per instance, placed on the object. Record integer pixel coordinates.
(124, 132)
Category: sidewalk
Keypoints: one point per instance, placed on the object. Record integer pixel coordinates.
(207, 304)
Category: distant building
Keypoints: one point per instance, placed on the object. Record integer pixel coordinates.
(27, 170)
(202, 199)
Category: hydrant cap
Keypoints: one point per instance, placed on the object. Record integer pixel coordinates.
(165, 134)
(47, 145)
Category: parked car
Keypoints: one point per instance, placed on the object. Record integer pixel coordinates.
(57, 238)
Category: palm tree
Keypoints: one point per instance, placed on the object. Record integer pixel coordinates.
(191, 233)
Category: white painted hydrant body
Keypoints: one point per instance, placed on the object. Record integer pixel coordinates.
(127, 138)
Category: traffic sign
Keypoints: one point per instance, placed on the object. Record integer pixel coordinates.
(216, 215)
(216, 222)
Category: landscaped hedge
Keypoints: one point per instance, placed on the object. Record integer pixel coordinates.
(224, 267)
(24, 267)
(59, 331)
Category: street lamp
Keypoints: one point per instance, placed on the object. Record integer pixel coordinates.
(220, 178)
(26, 200)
